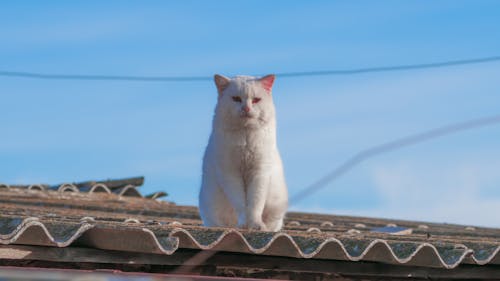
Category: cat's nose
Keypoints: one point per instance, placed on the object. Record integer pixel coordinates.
(246, 108)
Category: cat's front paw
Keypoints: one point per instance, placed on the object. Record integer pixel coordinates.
(257, 225)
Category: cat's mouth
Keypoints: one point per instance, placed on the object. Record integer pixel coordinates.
(245, 115)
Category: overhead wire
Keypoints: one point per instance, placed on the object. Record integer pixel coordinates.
(389, 146)
(355, 71)
(391, 68)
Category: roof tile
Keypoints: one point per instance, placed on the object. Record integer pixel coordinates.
(119, 218)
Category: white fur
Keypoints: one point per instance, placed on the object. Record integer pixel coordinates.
(243, 183)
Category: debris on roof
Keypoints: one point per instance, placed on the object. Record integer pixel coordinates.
(115, 217)
(394, 230)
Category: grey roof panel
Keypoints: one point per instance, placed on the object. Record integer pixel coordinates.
(108, 221)
(166, 240)
(122, 187)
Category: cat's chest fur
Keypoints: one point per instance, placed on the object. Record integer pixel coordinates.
(244, 150)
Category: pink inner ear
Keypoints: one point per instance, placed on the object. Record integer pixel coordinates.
(267, 82)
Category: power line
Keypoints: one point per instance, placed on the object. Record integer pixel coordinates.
(391, 68)
(34, 75)
(391, 146)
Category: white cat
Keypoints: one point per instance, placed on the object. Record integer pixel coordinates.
(243, 183)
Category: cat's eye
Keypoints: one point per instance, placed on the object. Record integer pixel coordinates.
(236, 99)
(255, 100)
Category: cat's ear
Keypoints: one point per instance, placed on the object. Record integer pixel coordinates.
(267, 82)
(221, 82)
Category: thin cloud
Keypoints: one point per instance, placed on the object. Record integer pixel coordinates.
(442, 194)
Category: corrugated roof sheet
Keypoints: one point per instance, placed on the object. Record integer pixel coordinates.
(124, 187)
(125, 221)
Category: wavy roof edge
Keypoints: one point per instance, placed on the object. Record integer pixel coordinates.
(121, 187)
(167, 239)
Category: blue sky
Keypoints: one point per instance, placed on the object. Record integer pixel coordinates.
(63, 131)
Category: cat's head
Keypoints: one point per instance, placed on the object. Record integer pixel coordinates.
(245, 100)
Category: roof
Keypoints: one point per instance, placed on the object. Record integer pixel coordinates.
(116, 217)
